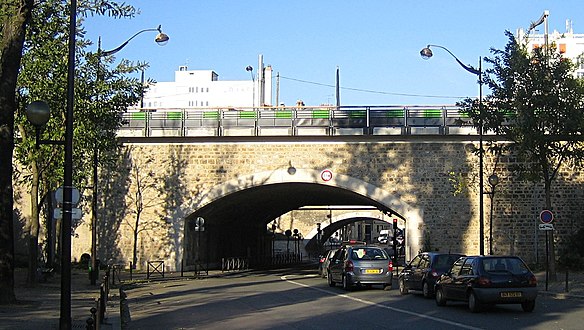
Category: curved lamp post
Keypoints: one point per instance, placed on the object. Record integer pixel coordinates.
(161, 39)
(493, 181)
(426, 53)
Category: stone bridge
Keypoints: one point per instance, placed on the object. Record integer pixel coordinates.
(241, 186)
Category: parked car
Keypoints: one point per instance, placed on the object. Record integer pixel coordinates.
(481, 280)
(422, 272)
(360, 265)
(324, 261)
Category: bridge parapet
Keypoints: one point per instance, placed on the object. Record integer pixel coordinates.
(298, 121)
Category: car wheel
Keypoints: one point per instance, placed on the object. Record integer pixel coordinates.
(440, 298)
(387, 287)
(473, 303)
(402, 287)
(528, 306)
(426, 290)
(330, 281)
(346, 284)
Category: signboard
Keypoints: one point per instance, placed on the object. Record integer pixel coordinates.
(546, 216)
(546, 226)
(76, 213)
(326, 175)
(74, 195)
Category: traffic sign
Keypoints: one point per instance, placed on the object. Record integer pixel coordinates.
(76, 213)
(326, 175)
(546, 226)
(546, 216)
(74, 195)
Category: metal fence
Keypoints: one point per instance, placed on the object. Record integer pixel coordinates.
(291, 121)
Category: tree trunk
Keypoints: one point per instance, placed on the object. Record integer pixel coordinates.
(136, 231)
(16, 16)
(33, 238)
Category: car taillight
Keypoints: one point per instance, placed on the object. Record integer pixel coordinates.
(483, 281)
(349, 266)
(321, 260)
(390, 266)
(532, 281)
(434, 273)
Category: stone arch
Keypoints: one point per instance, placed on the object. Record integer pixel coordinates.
(413, 216)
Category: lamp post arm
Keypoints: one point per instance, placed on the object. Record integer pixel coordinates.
(464, 66)
(117, 49)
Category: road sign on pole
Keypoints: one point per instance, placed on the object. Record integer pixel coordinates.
(546, 216)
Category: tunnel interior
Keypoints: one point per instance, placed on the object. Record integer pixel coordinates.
(235, 224)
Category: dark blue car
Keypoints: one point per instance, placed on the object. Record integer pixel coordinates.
(422, 272)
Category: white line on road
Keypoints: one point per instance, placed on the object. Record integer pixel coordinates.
(370, 303)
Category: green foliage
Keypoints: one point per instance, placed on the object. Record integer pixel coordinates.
(536, 102)
(99, 103)
(571, 254)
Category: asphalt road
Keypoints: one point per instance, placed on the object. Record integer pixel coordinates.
(301, 300)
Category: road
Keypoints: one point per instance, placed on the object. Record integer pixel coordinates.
(301, 300)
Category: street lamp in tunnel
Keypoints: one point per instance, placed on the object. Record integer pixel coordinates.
(426, 53)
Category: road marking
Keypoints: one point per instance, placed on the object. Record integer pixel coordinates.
(370, 303)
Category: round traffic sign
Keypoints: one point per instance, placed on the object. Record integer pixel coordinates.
(546, 216)
(326, 175)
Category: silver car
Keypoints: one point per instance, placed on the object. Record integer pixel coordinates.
(360, 265)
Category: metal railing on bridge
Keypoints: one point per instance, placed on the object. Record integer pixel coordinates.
(293, 121)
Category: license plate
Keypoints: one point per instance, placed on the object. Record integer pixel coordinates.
(372, 271)
(510, 294)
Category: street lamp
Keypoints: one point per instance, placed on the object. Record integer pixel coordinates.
(161, 39)
(493, 181)
(426, 53)
(65, 306)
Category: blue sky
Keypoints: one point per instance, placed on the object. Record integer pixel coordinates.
(375, 43)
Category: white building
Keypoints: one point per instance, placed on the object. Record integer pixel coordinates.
(568, 43)
(203, 89)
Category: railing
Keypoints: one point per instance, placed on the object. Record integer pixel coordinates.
(292, 121)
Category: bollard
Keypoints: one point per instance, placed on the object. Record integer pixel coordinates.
(567, 288)
(93, 318)
(89, 324)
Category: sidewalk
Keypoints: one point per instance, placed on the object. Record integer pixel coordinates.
(39, 307)
(573, 287)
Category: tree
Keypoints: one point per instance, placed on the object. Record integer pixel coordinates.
(536, 103)
(145, 195)
(14, 17)
(97, 119)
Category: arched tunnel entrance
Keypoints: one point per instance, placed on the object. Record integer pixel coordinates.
(237, 213)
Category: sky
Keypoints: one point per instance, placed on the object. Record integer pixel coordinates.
(374, 43)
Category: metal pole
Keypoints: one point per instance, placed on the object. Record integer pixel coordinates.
(491, 221)
(65, 312)
(94, 221)
(481, 156)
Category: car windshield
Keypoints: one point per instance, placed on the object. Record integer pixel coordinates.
(505, 265)
(367, 253)
(445, 261)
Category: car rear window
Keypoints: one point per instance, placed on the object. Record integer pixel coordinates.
(505, 265)
(445, 261)
(367, 253)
